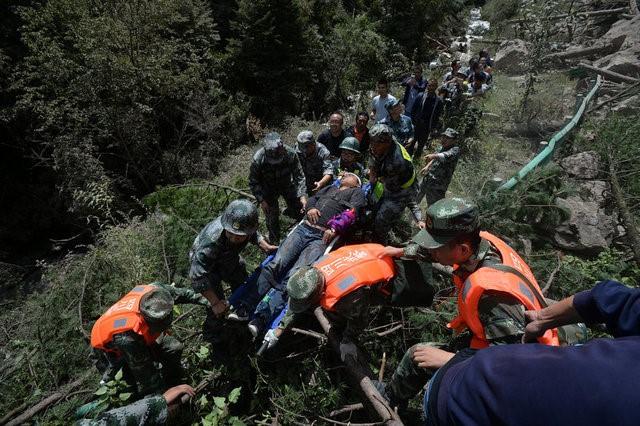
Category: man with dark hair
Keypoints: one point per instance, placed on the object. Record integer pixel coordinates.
(334, 135)
(451, 74)
(426, 115)
(378, 105)
(494, 287)
(414, 84)
(315, 160)
(478, 85)
(360, 131)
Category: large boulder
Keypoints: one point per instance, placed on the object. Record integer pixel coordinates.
(589, 229)
(583, 165)
(627, 59)
(511, 57)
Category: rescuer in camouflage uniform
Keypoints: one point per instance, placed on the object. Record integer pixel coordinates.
(215, 257)
(128, 350)
(152, 410)
(439, 169)
(400, 124)
(452, 237)
(349, 156)
(412, 285)
(392, 166)
(276, 171)
(315, 162)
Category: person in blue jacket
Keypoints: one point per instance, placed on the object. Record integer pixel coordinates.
(592, 384)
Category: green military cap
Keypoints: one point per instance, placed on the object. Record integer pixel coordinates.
(391, 103)
(305, 138)
(156, 308)
(450, 133)
(240, 217)
(304, 288)
(381, 133)
(273, 145)
(446, 219)
(350, 144)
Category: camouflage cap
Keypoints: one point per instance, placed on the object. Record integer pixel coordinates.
(305, 138)
(381, 133)
(446, 219)
(240, 217)
(391, 103)
(156, 308)
(450, 133)
(304, 288)
(273, 145)
(350, 144)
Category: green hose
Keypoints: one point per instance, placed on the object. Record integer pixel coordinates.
(546, 154)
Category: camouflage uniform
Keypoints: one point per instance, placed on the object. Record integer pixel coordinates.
(270, 181)
(213, 260)
(434, 185)
(395, 169)
(138, 359)
(315, 166)
(502, 316)
(402, 129)
(151, 410)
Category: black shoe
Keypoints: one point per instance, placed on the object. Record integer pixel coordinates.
(238, 314)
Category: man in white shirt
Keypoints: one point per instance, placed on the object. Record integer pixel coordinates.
(378, 110)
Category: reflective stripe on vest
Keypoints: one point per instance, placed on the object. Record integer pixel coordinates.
(350, 268)
(488, 279)
(407, 157)
(123, 316)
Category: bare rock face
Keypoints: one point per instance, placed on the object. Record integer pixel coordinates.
(583, 165)
(627, 59)
(511, 57)
(589, 229)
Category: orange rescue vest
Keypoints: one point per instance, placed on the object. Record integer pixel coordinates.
(123, 316)
(484, 279)
(350, 268)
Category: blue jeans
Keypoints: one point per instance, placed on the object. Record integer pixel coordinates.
(425, 400)
(301, 248)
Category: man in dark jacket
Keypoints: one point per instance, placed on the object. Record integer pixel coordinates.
(306, 243)
(533, 384)
(274, 172)
(425, 115)
(334, 135)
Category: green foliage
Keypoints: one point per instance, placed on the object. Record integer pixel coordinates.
(112, 394)
(528, 208)
(218, 409)
(120, 96)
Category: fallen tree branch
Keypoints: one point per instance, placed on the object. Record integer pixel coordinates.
(606, 49)
(318, 336)
(604, 12)
(48, 401)
(622, 94)
(216, 185)
(389, 331)
(383, 364)
(552, 275)
(347, 409)
(335, 422)
(613, 76)
(627, 217)
(360, 375)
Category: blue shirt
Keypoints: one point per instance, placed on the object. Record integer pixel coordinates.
(533, 384)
